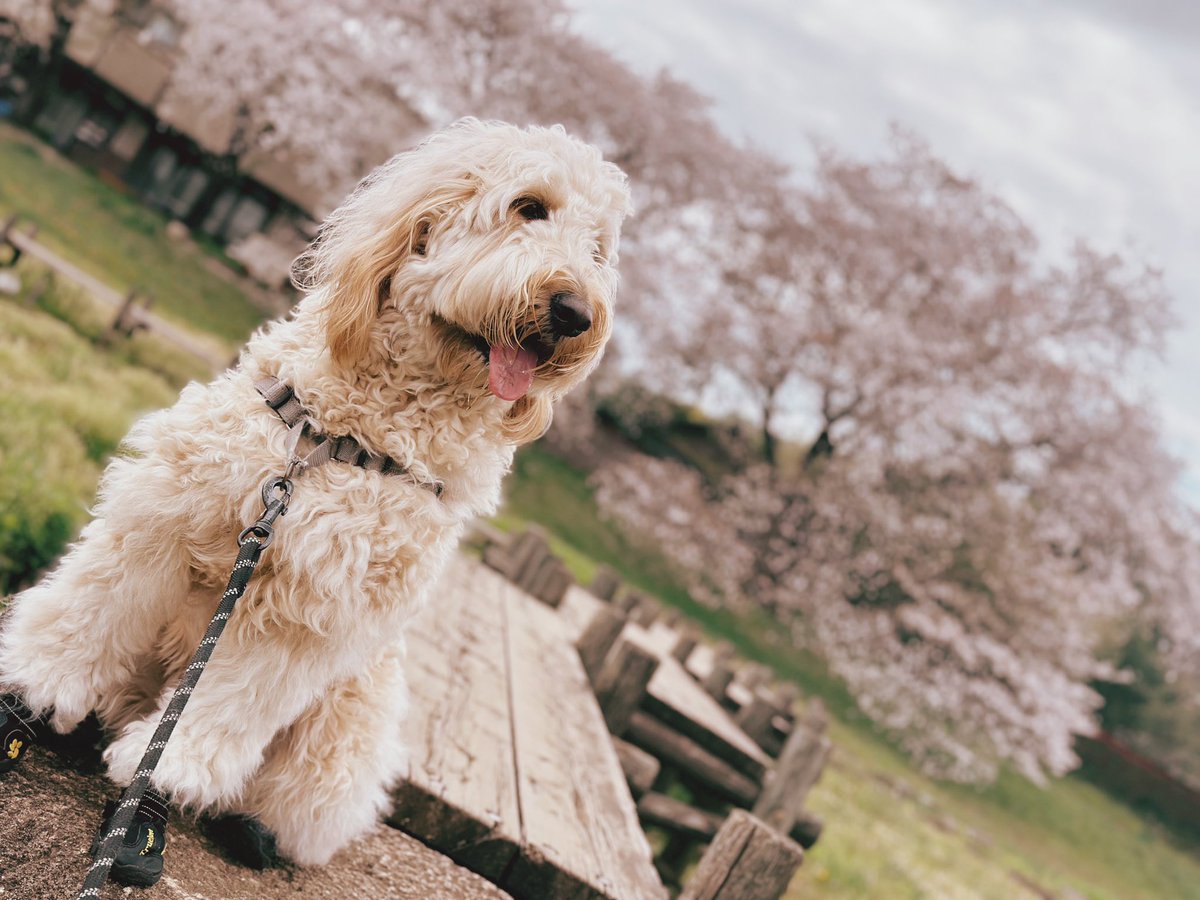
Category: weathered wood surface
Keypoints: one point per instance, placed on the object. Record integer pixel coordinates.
(685, 643)
(800, 766)
(598, 638)
(581, 833)
(640, 768)
(605, 584)
(807, 828)
(673, 696)
(526, 560)
(52, 806)
(670, 746)
(675, 699)
(766, 720)
(578, 609)
(622, 682)
(677, 816)
(746, 861)
(461, 794)
(513, 772)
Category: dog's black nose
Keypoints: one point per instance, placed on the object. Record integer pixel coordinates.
(570, 315)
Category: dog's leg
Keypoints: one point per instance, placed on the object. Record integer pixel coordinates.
(72, 642)
(254, 686)
(326, 779)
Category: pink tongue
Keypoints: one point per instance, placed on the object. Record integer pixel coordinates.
(510, 371)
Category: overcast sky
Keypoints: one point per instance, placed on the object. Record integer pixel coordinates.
(1083, 114)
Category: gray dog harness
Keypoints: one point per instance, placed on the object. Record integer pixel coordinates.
(281, 398)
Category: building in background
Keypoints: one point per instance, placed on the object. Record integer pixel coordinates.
(102, 96)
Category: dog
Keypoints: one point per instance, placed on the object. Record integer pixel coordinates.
(460, 291)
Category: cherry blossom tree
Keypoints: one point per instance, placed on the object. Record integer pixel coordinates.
(315, 84)
(982, 503)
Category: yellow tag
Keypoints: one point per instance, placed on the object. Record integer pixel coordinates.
(14, 749)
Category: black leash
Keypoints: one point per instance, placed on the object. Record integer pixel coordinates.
(276, 492)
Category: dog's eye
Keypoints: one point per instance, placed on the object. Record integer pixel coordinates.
(530, 208)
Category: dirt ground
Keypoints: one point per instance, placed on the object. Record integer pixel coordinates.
(50, 807)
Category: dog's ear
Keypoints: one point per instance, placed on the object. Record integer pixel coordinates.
(528, 419)
(365, 241)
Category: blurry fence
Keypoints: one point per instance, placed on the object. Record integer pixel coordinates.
(132, 309)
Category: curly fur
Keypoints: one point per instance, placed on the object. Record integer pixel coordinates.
(297, 719)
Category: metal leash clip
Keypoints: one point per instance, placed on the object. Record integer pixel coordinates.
(276, 495)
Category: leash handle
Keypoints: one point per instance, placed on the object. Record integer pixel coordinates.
(277, 492)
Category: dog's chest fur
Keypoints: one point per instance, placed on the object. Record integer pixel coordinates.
(358, 550)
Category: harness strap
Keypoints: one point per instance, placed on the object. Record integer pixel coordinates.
(345, 449)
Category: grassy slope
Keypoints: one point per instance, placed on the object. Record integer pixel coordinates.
(65, 407)
(890, 832)
(117, 239)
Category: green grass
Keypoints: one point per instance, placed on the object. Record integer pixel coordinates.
(65, 407)
(117, 239)
(545, 489)
(890, 832)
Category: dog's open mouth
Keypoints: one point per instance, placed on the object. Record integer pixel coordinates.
(510, 368)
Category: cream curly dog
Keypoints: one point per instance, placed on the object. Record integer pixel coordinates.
(456, 294)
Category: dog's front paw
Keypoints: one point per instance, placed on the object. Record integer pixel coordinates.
(123, 755)
(62, 699)
(189, 771)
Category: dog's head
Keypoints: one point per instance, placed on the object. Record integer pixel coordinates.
(495, 247)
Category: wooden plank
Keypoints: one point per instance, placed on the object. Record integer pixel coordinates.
(672, 695)
(621, 684)
(640, 768)
(595, 642)
(605, 584)
(675, 699)
(461, 793)
(746, 861)
(807, 828)
(582, 838)
(529, 548)
(798, 770)
(646, 612)
(756, 717)
(677, 816)
(681, 751)
(577, 610)
(685, 644)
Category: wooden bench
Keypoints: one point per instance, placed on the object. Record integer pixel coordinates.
(512, 773)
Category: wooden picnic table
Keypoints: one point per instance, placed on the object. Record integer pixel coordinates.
(513, 773)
